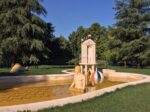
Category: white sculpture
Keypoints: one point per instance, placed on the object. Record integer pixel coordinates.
(87, 64)
(88, 56)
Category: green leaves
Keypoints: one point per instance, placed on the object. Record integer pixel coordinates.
(132, 30)
(75, 41)
(99, 35)
(10, 44)
(32, 29)
(33, 59)
(23, 34)
(37, 45)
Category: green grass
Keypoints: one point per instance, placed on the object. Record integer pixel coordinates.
(40, 70)
(145, 71)
(129, 99)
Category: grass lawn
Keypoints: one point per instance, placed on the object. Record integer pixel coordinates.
(145, 71)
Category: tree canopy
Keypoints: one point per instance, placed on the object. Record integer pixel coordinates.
(99, 35)
(131, 29)
(27, 39)
(23, 33)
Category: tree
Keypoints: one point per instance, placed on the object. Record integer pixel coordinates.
(112, 46)
(75, 44)
(60, 51)
(45, 56)
(0, 56)
(133, 18)
(99, 35)
(23, 33)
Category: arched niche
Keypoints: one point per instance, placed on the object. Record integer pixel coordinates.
(88, 56)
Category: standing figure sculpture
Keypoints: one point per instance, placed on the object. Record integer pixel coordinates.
(78, 84)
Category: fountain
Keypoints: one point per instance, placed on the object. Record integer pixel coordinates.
(43, 91)
(88, 62)
(88, 67)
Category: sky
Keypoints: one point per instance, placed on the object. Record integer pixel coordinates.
(67, 15)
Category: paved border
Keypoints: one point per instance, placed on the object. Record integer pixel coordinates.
(73, 99)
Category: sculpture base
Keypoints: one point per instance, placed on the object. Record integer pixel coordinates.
(90, 89)
(75, 91)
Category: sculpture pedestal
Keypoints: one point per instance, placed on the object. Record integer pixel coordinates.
(85, 69)
(75, 91)
(90, 89)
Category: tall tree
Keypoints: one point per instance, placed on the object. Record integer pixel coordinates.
(23, 32)
(45, 55)
(112, 46)
(60, 45)
(99, 35)
(75, 39)
(133, 18)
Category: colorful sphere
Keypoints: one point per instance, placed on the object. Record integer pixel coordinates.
(98, 77)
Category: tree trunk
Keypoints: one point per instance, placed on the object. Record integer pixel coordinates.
(138, 65)
(13, 60)
(36, 66)
(125, 64)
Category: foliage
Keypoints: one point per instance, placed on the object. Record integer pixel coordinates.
(131, 29)
(27, 39)
(23, 34)
(99, 35)
(60, 51)
(75, 39)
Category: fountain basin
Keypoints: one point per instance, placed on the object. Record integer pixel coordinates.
(66, 79)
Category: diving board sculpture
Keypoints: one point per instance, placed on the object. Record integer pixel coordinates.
(87, 67)
(88, 62)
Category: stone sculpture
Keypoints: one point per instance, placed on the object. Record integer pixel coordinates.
(78, 81)
(17, 68)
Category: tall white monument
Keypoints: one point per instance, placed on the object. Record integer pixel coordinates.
(88, 56)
